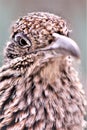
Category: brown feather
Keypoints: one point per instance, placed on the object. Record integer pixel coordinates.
(39, 92)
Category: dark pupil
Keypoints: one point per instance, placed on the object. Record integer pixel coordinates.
(22, 42)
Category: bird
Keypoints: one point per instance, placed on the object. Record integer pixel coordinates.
(40, 88)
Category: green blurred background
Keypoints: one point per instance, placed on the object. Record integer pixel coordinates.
(74, 11)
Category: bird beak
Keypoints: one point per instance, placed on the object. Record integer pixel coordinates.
(64, 45)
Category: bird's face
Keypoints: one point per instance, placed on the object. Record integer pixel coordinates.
(40, 33)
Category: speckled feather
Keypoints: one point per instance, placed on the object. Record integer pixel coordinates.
(38, 92)
(38, 27)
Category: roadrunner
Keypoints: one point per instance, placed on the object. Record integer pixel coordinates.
(39, 88)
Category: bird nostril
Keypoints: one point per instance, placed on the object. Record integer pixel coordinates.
(50, 41)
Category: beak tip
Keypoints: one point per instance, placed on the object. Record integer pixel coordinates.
(75, 51)
(68, 45)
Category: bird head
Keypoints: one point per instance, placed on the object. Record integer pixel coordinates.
(40, 33)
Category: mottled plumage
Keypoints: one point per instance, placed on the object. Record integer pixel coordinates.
(39, 88)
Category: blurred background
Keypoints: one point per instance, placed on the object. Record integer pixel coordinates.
(74, 11)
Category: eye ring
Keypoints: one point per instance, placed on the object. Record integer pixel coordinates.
(22, 40)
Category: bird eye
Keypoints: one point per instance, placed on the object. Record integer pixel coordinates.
(22, 40)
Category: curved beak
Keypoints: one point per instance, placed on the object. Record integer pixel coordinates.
(64, 45)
